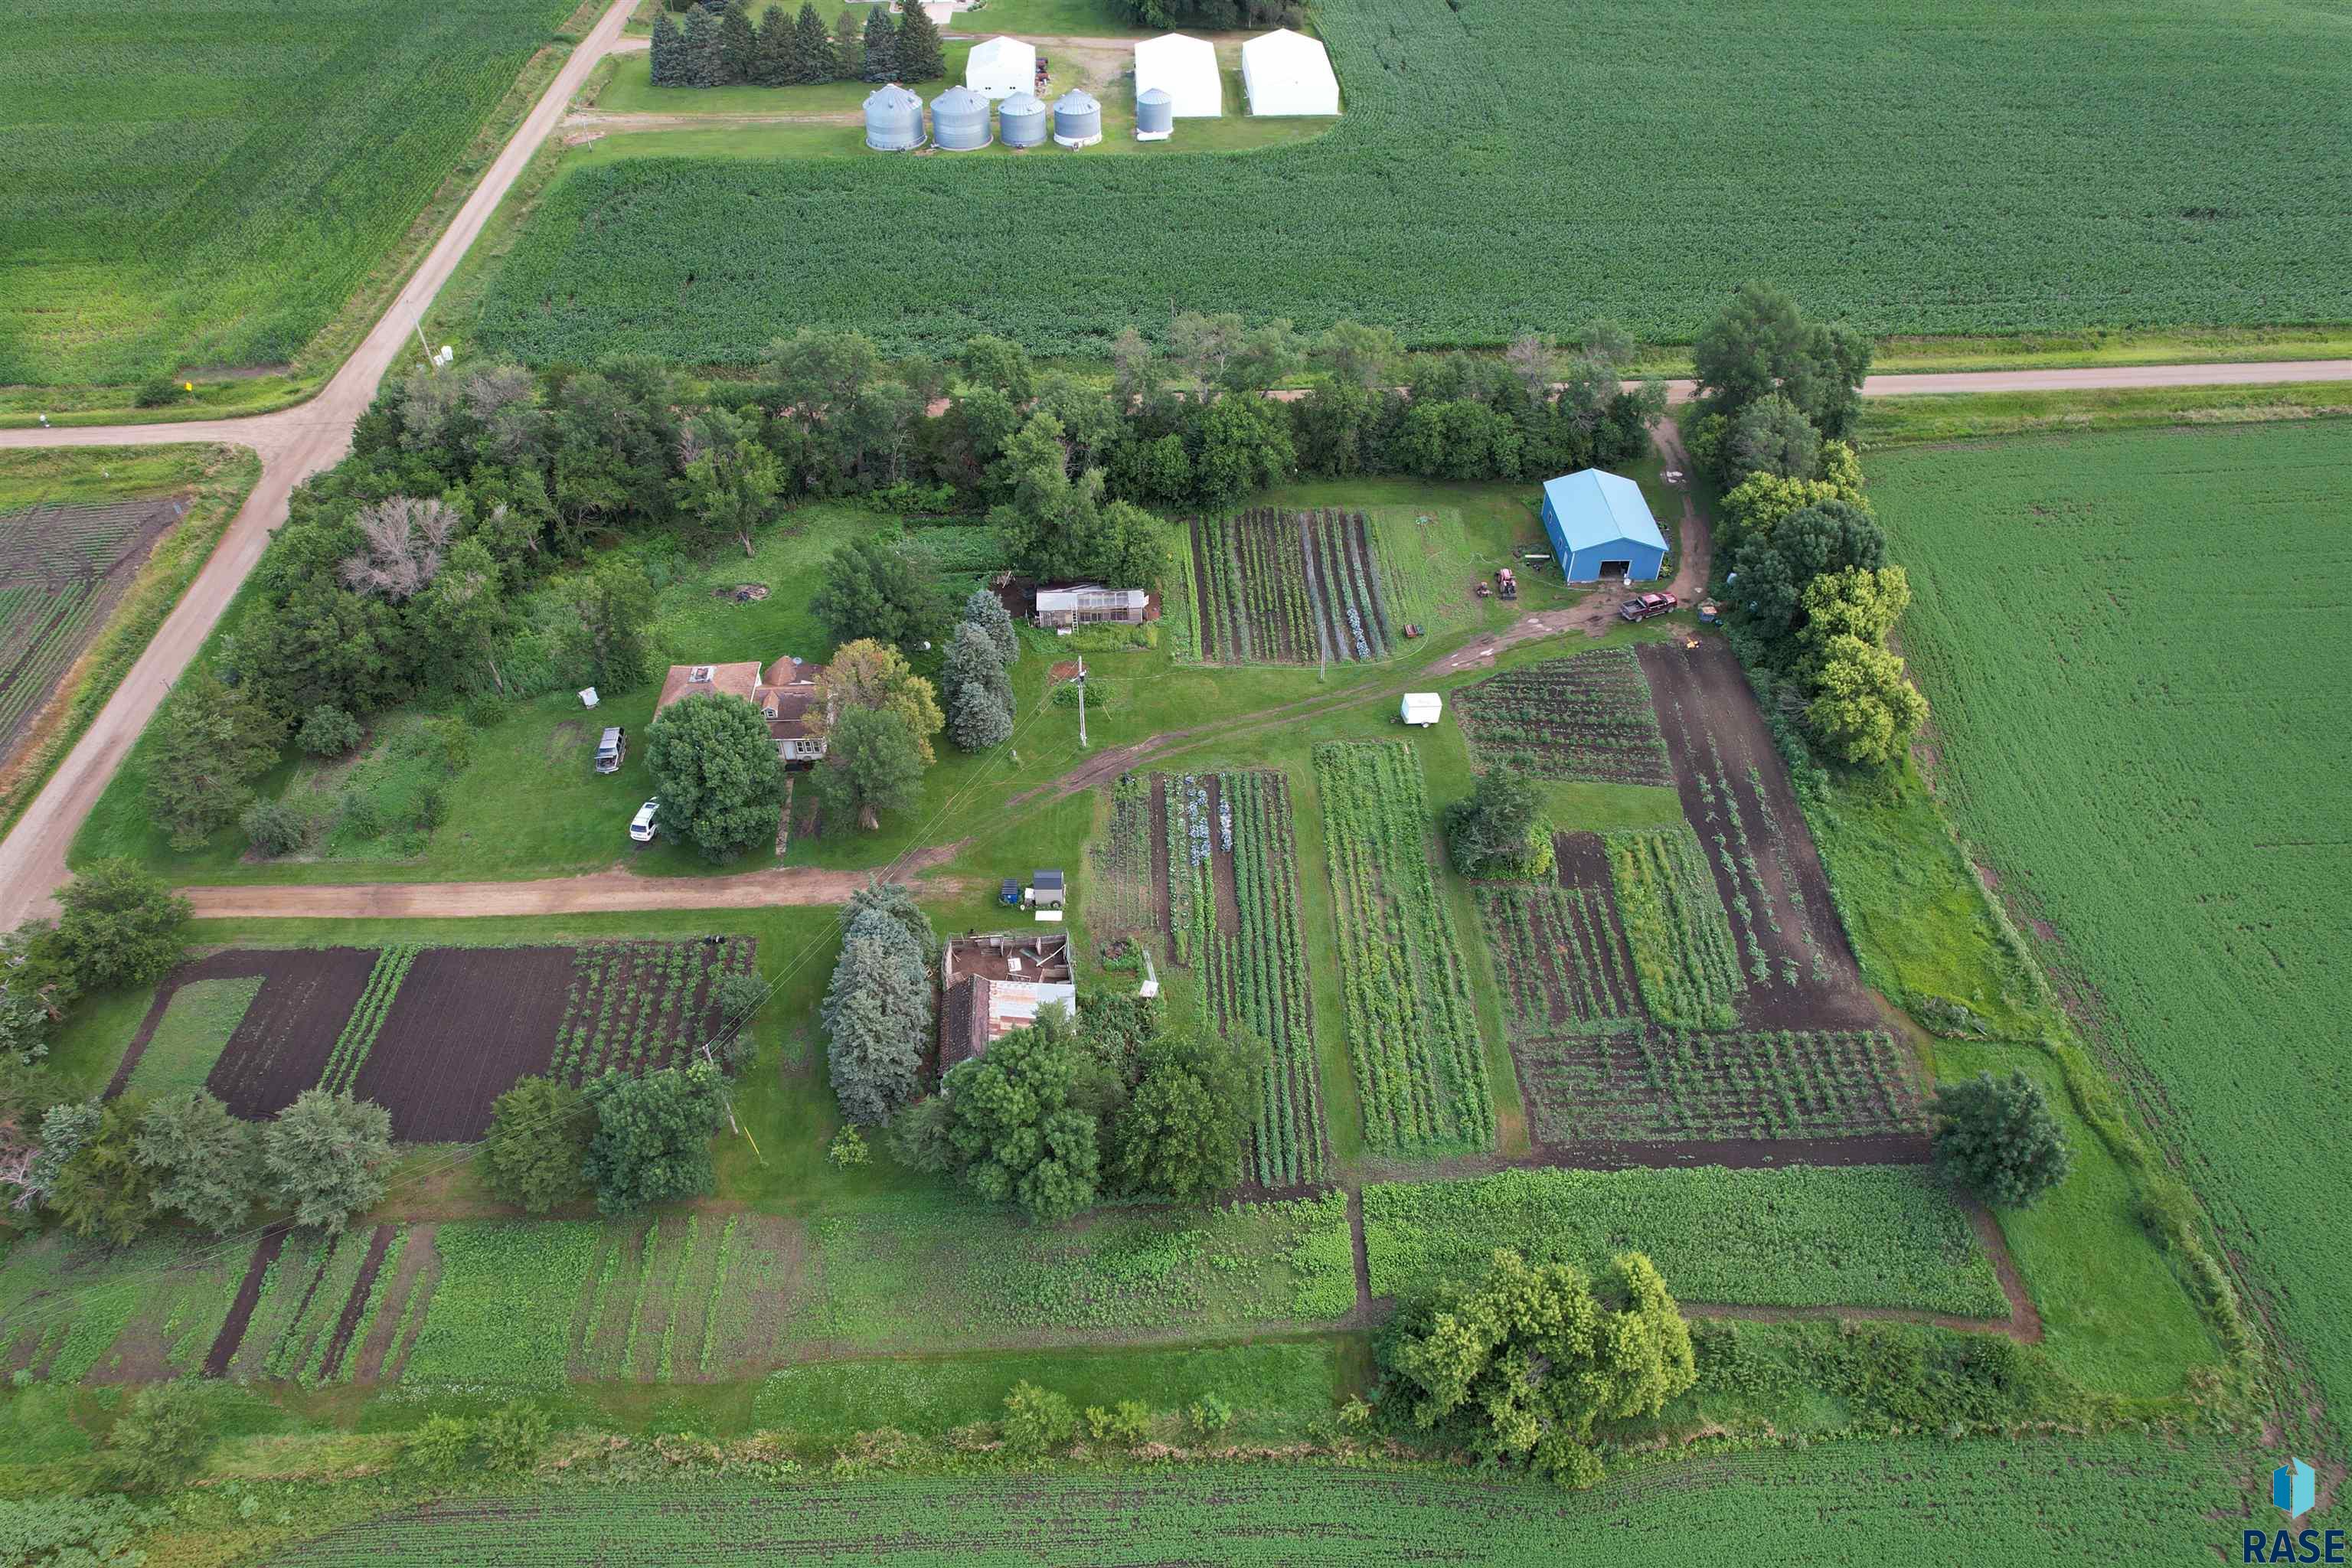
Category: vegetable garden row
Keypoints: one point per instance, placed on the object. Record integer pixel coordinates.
(59, 568)
(1282, 587)
(1683, 958)
(635, 1006)
(1649, 1083)
(1412, 1031)
(1589, 717)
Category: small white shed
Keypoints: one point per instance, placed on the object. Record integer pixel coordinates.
(1284, 72)
(1000, 66)
(1186, 70)
(1422, 708)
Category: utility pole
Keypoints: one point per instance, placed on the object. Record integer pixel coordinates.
(421, 343)
(1082, 702)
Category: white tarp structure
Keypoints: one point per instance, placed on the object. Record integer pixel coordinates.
(1186, 70)
(1284, 72)
(1000, 68)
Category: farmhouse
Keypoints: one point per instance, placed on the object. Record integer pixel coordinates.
(1186, 70)
(786, 692)
(1088, 603)
(992, 985)
(1601, 528)
(1284, 72)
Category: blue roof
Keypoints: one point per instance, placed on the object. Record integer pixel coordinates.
(1594, 508)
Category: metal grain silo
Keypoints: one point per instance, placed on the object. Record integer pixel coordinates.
(1021, 120)
(1078, 120)
(1155, 115)
(894, 120)
(959, 121)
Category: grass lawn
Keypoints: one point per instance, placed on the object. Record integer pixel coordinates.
(1889, 421)
(189, 1037)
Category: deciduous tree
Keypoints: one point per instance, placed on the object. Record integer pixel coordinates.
(871, 591)
(211, 741)
(1771, 436)
(1020, 1132)
(871, 674)
(871, 765)
(1180, 1134)
(728, 480)
(116, 925)
(614, 602)
(202, 1160)
(1498, 829)
(653, 1136)
(714, 768)
(1998, 1138)
(1774, 570)
(1520, 1364)
(1864, 709)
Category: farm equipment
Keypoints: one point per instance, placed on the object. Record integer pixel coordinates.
(1481, 589)
(1506, 584)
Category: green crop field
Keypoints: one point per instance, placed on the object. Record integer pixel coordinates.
(1912, 1501)
(2133, 645)
(187, 185)
(1967, 168)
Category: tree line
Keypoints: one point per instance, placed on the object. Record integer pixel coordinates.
(718, 45)
(464, 550)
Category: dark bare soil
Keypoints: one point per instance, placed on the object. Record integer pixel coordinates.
(1716, 737)
(1739, 1153)
(241, 1311)
(282, 1044)
(467, 1024)
(356, 1302)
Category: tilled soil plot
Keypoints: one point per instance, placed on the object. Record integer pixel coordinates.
(467, 1023)
(1734, 790)
(282, 1044)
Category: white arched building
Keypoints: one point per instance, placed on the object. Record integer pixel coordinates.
(1284, 72)
(1000, 66)
(1186, 70)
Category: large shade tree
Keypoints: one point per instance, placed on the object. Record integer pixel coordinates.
(716, 771)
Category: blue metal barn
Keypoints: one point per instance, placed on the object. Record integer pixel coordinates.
(1601, 527)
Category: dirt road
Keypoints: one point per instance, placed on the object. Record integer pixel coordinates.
(293, 445)
(599, 891)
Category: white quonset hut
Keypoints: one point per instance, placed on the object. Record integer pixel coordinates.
(1021, 120)
(1077, 119)
(1186, 70)
(959, 121)
(1155, 117)
(1284, 72)
(894, 120)
(1000, 67)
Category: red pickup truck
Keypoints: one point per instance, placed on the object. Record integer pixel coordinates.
(1643, 605)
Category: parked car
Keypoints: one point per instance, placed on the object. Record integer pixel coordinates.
(1642, 606)
(641, 827)
(611, 750)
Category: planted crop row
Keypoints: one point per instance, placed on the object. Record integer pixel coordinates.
(1589, 717)
(1258, 978)
(1560, 955)
(1119, 892)
(633, 1005)
(1412, 1032)
(1683, 953)
(366, 1021)
(1283, 587)
(1799, 1235)
(1651, 1083)
(1192, 897)
(500, 1314)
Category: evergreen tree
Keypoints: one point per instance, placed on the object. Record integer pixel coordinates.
(975, 658)
(897, 900)
(773, 63)
(921, 56)
(848, 47)
(977, 717)
(201, 1158)
(668, 51)
(880, 50)
(814, 58)
(877, 1017)
(986, 611)
(704, 66)
(738, 45)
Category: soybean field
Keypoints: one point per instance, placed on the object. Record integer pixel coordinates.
(184, 184)
(1977, 168)
(2134, 644)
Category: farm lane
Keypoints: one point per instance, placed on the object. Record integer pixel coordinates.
(293, 444)
(597, 892)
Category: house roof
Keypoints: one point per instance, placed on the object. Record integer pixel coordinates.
(1592, 508)
(785, 690)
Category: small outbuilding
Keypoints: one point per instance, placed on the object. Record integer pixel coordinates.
(1091, 604)
(1186, 70)
(1422, 708)
(1284, 72)
(1601, 528)
(998, 68)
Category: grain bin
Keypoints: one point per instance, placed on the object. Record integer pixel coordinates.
(894, 120)
(1155, 115)
(959, 121)
(1021, 120)
(1078, 120)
